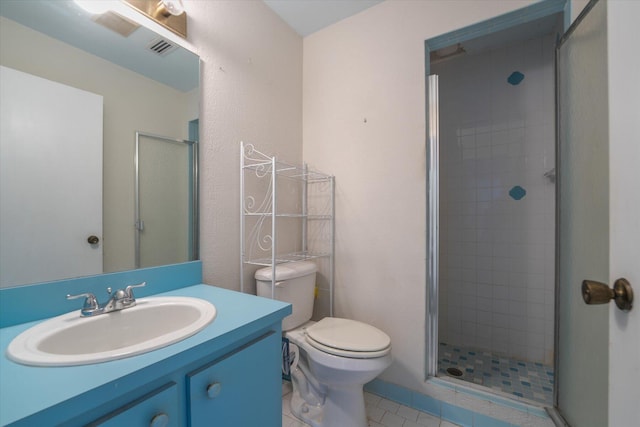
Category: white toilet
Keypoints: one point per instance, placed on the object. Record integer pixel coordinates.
(334, 358)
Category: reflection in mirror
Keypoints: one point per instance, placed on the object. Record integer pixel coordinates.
(132, 88)
(165, 212)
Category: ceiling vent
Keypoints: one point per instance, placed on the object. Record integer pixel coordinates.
(161, 47)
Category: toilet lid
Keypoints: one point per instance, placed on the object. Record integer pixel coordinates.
(350, 338)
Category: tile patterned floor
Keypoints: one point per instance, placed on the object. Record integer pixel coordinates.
(526, 380)
(380, 413)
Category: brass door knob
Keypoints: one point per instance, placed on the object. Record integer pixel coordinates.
(93, 240)
(600, 293)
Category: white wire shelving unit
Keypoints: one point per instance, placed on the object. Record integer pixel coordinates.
(279, 200)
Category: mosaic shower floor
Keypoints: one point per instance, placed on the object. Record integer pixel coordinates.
(527, 380)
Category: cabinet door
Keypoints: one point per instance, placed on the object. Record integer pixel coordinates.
(156, 409)
(242, 388)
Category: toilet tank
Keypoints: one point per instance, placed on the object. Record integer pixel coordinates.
(295, 284)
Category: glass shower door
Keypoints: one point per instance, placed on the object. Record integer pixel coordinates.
(583, 219)
(166, 193)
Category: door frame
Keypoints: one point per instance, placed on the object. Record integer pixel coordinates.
(509, 20)
(555, 412)
(194, 217)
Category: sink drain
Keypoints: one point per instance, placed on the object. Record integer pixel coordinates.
(454, 372)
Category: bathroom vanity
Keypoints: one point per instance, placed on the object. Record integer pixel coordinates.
(226, 374)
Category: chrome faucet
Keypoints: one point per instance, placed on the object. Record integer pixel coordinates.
(120, 299)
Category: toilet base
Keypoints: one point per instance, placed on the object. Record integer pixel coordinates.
(343, 406)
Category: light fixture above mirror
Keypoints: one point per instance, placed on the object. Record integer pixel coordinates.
(168, 13)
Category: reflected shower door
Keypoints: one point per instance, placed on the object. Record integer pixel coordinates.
(583, 221)
(165, 200)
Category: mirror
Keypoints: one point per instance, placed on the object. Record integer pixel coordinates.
(145, 84)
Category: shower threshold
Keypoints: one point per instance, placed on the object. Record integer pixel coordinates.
(520, 379)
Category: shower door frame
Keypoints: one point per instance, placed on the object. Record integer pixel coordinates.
(518, 17)
(194, 215)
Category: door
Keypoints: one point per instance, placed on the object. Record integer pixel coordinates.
(50, 180)
(598, 227)
(165, 200)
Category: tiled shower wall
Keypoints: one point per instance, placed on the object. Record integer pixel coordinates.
(497, 217)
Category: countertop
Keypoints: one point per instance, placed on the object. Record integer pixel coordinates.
(27, 390)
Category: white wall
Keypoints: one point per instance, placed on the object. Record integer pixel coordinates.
(497, 259)
(364, 121)
(252, 92)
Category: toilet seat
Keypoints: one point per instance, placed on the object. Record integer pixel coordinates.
(348, 338)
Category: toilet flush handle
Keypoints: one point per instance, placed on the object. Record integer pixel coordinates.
(280, 284)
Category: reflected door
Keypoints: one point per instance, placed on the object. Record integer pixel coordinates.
(165, 200)
(50, 180)
(583, 187)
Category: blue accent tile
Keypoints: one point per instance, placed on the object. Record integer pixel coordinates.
(517, 393)
(457, 415)
(390, 391)
(480, 420)
(517, 192)
(426, 404)
(547, 389)
(515, 78)
(519, 376)
(473, 353)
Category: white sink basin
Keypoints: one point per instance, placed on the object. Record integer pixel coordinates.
(69, 339)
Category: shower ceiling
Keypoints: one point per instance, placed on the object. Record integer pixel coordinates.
(513, 35)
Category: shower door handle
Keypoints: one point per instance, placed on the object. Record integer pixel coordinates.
(600, 293)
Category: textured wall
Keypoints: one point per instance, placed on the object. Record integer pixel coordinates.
(364, 121)
(252, 92)
(369, 66)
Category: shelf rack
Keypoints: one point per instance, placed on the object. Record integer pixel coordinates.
(262, 217)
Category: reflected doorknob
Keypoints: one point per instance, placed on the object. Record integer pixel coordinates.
(600, 293)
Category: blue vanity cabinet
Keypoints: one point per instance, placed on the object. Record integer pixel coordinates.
(159, 408)
(228, 375)
(242, 388)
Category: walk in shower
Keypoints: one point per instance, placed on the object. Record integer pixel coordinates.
(496, 267)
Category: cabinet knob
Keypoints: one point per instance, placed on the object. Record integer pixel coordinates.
(213, 390)
(159, 420)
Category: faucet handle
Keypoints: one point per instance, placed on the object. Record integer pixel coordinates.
(129, 289)
(90, 302)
